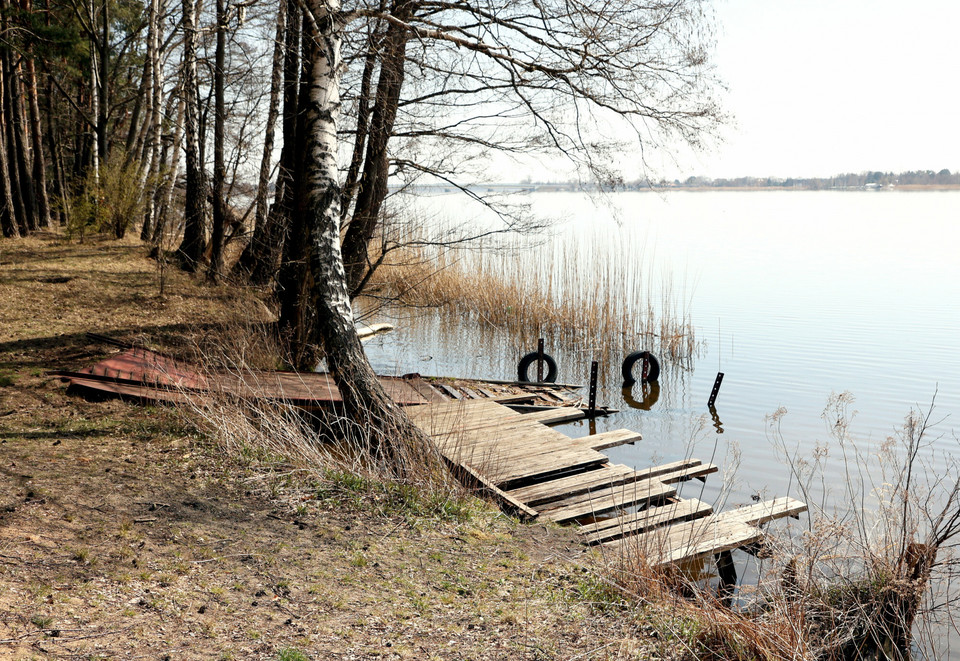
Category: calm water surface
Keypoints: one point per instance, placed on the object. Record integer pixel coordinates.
(793, 295)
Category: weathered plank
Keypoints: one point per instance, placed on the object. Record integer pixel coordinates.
(573, 485)
(610, 475)
(756, 515)
(609, 439)
(599, 502)
(504, 446)
(638, 522)
(557, 415)
(687, 541)
(469, 476)
(450, 390)
(700, 471)
(470, 392)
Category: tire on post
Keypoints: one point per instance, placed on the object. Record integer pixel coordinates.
(531, 359)
(649, 367)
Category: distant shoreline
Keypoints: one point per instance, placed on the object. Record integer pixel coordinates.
(906, 187)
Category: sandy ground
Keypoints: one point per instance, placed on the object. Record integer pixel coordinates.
(126, 534)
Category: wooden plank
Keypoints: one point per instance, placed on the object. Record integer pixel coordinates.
(573, 485)
(469, 392)
(648, 519)
(429, 393)
(756, 515)
(683, 474)
(504, 446)
(607, 476)
(470, 477)
(614, 498)
(487, 393)
(453, 392)
(686, 541)
(550, 395)
(609, 439)
(557, 415)
(672, 467)
(509, 399)
(508, 478)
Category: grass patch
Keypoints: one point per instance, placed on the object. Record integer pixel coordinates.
(292, 654)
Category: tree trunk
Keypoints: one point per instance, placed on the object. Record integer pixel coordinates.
(61, 210)
(36, 136)
(8, 220)
(103, 109)
(389, 434)
(150, 180)
(219, 170)
(373, 182)
(194, 241)
(261, 258)
(19, 150)
(363, 120)
(20, 215)
(276, 82)
(171, 163)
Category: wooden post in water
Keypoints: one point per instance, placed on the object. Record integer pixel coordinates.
(728, 577)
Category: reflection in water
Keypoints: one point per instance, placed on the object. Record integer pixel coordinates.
(649, 394)
(717, 424)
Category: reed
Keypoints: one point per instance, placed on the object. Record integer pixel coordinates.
(870, 576)
(590, 299)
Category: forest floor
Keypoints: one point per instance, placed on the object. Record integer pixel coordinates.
(125, 533)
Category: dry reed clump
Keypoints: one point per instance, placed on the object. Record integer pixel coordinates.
(871, 580)
(587, 298)
(694, 624)
(310, 455)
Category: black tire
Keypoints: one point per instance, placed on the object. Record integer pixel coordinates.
(531, 359)
(649, 367)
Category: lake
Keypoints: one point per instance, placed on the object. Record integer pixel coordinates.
(794, 296)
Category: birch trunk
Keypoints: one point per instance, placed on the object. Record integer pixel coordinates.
(388, 433)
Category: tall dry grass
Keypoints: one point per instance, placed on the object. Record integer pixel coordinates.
(590, 299)
(870, 574)
(282, 444)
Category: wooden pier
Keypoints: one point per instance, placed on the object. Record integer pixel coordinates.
(537, 472)
(144, 375)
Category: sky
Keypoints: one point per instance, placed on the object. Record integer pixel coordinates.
(822, 87)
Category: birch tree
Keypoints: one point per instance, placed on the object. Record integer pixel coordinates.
(532, 75)
(390, 433)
